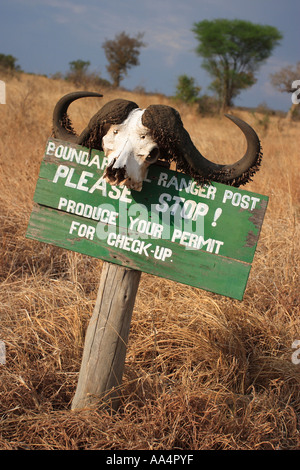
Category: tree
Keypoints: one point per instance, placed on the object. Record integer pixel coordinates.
(186, 89)
(78, 71)
(232, 51)
(79, 66)
(122, 53)
(284, 81)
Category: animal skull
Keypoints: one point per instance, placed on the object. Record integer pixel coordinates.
(133, 138)
(130, 150)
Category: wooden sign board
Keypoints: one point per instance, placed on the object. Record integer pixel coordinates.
(200, 236)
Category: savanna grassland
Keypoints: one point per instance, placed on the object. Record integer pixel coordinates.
(202, 371)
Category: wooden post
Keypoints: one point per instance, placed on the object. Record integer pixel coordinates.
(106, 338)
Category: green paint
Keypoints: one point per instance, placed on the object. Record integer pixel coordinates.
(204, 237)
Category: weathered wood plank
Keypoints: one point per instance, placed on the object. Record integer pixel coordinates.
(106, 338)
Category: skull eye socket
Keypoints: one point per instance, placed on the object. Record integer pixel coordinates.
(153, 155)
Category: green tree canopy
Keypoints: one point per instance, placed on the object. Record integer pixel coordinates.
(122, 53)
(232, 51)
(8, 63)
(79, 66)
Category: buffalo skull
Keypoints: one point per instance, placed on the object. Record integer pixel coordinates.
(130, 149)
(132, 139)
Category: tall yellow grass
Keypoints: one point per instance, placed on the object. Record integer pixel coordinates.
(202, 371)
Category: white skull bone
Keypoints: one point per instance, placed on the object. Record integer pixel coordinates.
(130, 150)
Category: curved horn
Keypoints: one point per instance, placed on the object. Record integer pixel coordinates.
(62, 128)
(113, 112)
(176, 141)
(250, 162)
(240, 172)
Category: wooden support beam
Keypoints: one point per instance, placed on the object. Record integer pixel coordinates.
(106, 338)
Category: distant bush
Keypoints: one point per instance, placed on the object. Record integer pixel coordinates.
(8, 64)
(78, 71)
(295, 113)
(187, 90)
(79, 75)
(57, 76)
(262, 116)
(89, 80)
(207, 105)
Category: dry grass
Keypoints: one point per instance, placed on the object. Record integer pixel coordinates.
(202, 371)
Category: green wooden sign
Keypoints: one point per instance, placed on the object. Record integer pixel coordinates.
(200, 236)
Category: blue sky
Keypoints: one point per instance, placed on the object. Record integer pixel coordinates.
(45, 35)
